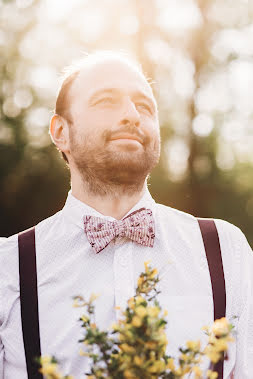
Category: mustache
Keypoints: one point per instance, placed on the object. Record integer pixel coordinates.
(135, 132)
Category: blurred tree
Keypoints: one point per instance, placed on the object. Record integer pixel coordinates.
(206, 191)
(195, 52)
(33, 181)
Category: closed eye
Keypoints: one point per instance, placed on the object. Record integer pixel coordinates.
(114, 101)
(145, 105)
(110, 99)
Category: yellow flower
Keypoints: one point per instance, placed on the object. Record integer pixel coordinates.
(139, 299)
(151, 345)
(212, 339)
(193, 345)
(93, 297)
(153, 273)
(50, 369)
(141, 311)
(130, 303)
(115, 326)
(85, 318)
(140, 281)
(221, 345)
(212, 374)
(197, 371)
(165, 313)
(146, 264)
(171, 364)
(163, 339)
(129, 336)
(138, 360)
(186, 370)
(213, 355)
(93, 326)
(126, 348)
(152, 355)
(136, 321)
(153, 311)
(178, 372)
(76, 303)
(221, 327)
(157, 367)
(98, 373)
(206, 329)
(122, 337)
(184, 357)
(128, 374)
(84, 353)
(46, 359)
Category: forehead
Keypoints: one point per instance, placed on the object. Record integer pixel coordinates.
(109, 74)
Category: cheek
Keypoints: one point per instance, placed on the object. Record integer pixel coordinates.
(151, 127)
(154, 134)
(102, 120)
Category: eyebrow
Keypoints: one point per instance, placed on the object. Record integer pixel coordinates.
(137, 94)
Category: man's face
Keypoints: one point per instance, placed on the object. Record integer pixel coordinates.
(114, 135)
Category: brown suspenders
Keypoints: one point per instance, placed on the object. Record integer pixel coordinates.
(29, 295)
(29, 301)
(214, 259)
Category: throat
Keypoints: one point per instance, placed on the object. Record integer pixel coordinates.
(107, 198)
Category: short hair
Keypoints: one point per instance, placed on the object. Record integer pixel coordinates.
(71, 72)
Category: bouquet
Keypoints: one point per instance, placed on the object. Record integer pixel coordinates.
(135, 347)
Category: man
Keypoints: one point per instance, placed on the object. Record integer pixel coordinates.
(106, 126)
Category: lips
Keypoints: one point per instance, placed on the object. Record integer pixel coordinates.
(127, 136)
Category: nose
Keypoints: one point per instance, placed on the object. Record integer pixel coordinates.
(130, 114)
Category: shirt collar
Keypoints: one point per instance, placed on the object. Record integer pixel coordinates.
(74, 209)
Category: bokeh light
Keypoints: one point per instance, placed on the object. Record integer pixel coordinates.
(198, 55)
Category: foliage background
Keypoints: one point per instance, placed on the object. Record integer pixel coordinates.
(199, 54)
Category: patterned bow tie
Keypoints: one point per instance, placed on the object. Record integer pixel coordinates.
(138, 226)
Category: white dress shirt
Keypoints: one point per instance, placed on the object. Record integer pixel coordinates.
(68, 266)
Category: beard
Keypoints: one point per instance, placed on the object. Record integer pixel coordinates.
(107, 169)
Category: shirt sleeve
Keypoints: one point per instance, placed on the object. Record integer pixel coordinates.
(1, 345)
(1, 360)
(244, 333)
(8, 280)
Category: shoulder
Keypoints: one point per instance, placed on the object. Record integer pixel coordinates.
(185, 218)
(174, 214)
(9, 260)
(9, 245)
(47, 224)
(227, 227)
(9, 268)
(231, 236)
(180, 224)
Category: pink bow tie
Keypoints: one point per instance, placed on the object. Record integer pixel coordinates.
(138, 226)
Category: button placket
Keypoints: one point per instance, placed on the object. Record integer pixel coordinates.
(123, 260)
(123, 276)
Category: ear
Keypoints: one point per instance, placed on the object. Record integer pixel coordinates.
(59, 132)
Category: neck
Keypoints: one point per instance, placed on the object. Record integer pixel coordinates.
(115, 202)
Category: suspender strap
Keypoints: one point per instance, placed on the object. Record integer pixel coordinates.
(29, 301)
(213, 253)
(29, 294)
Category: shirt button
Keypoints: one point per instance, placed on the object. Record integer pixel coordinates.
(123, 261)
